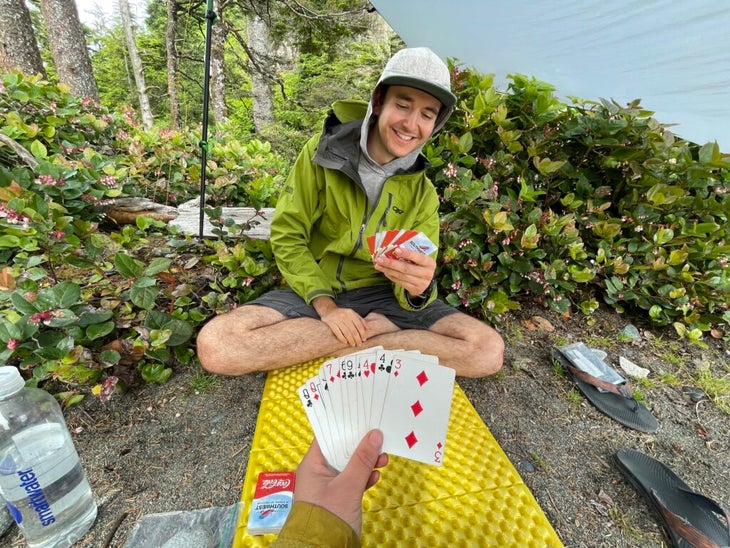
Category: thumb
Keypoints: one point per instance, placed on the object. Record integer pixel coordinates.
(364, 459)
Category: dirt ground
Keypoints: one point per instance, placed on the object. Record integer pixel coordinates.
(178, 446)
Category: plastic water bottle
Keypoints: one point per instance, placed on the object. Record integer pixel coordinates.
(41, 478)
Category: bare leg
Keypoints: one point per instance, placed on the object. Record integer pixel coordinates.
(258, 338)
(460, 341)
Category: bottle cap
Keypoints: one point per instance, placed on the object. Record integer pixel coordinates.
(10, 380)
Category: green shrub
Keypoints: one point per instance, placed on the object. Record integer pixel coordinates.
(70, 139)
(571, 203)
(166, 168)
(84, 304)
(71, 322)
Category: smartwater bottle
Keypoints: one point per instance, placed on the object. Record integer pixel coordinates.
(41, 478)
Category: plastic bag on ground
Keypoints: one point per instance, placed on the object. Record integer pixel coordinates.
(203, 528)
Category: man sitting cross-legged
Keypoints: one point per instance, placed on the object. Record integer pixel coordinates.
(362, 175)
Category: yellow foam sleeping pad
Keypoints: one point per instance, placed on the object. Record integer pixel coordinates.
(477, 498)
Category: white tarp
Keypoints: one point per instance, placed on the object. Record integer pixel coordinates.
(674, 56)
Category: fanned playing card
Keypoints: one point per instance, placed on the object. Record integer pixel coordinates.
(405, 394)
(416, 411)
(332, 392)
(309, 394)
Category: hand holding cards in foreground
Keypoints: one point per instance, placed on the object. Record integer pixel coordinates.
(386, 242)
(405, 394)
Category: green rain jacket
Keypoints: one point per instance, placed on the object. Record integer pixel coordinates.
(322, 218)
(309, 525)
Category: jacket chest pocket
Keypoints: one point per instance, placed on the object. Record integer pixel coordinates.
(335, 225)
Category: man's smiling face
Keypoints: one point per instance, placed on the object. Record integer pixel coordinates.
(406, 119)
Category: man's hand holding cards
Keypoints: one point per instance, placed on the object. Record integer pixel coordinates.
(386, 242)
(404, 394)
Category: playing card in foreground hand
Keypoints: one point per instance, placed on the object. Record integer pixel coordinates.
(416, 412)
(405, 394)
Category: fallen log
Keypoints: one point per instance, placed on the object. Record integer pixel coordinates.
(126, 210)
(257, 222)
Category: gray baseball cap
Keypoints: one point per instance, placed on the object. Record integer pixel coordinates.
(422, 69)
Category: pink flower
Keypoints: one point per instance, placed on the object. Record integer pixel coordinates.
(39, 317)
(488, 163)
(12, 344)
(109, 181)
(13, 217)
(450, 170)
(49, 180)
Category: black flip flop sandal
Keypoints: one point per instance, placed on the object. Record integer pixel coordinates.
(614, 400)
(690, 519)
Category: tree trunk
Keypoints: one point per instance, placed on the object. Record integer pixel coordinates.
(18, 47)
(258, 39)
(218, 66)
(68, 47)
(137, 69)
(172, 60)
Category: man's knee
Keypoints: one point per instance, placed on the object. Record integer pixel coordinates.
(489, 353)
(496, 352)
(217, 350)
(207, 347)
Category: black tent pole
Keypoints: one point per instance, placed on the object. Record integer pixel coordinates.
(210, 16)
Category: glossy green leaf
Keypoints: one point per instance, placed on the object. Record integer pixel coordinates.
(128, 266)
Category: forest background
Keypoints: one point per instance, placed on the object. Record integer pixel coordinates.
(576, 208)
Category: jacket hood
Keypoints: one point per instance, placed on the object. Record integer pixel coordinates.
(345, 124)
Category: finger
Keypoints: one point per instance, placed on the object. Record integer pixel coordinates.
(414, 257)
(342, 331)
(414, 284)
(362, 462)
(402, 272)
(393, 271)
(361, 327)
(351, 334)
(375, 476)
(355, 329)
(337, 332)
(408, 255)
(373, 479)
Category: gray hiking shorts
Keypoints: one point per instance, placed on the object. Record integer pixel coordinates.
(378, 298)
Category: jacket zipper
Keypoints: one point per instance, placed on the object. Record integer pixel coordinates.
(360, 235)
(381, 221)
